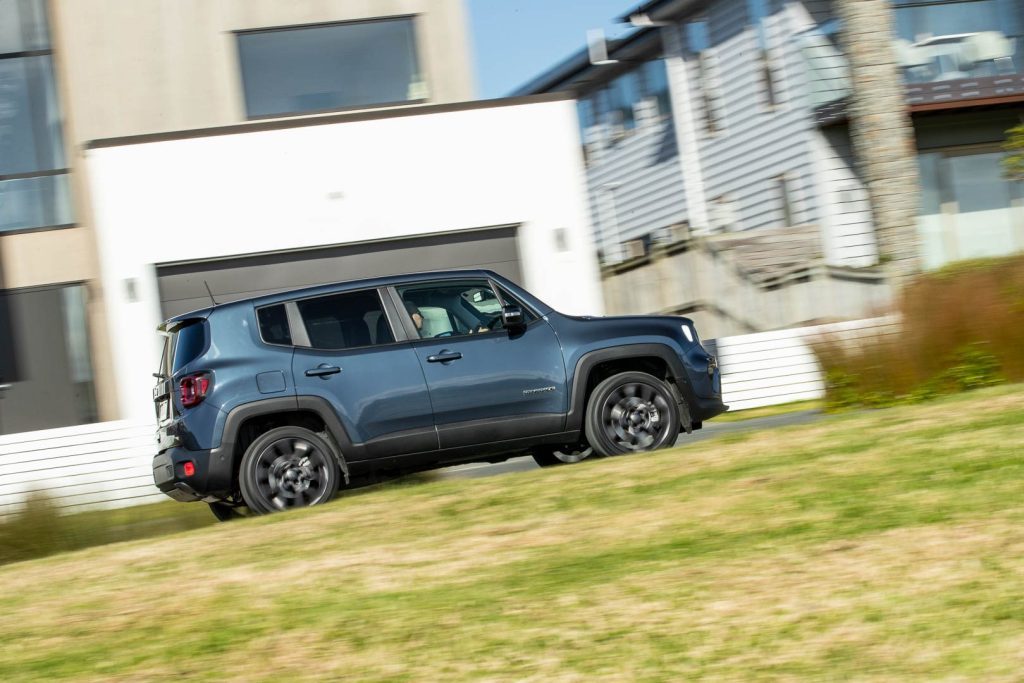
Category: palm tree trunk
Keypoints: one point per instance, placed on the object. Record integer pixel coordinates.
(883, 136)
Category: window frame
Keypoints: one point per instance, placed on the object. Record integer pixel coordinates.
(414, 20)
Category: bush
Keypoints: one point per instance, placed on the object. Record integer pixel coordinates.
(960, 328)
(39, 529)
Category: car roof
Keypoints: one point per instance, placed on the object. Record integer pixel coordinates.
(331, 288)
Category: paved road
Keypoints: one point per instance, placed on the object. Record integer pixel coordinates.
(710, 430)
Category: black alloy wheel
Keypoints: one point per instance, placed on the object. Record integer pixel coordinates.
(631, 412)
(286, 468)
(566, 454)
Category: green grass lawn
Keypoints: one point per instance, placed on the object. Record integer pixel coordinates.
(885, 545)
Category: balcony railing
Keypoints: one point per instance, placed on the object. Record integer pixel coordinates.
(966, 55)
(937, 70)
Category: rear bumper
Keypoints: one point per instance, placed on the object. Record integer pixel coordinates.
(207, 483)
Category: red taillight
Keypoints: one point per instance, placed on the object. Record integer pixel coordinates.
(194, 389)
(189, 468)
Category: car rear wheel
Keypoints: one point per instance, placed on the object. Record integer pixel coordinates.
(568, 454)
(288, 467)
(631, 412)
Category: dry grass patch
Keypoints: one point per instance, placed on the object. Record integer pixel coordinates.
(879, 546)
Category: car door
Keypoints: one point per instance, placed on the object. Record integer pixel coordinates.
(486, 383)
(351, 354)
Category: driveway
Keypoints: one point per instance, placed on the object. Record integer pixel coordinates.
(710, 431)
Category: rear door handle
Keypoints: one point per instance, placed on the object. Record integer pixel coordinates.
(444, 357)
(323, 371)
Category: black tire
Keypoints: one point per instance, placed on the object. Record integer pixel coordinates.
(288, 467)
(631, 412)
(566, 454)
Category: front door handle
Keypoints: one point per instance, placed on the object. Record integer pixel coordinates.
(323, 371)
(444, 357)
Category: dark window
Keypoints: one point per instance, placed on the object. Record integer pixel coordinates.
(331, 66)
(46, 359)
(34, 189)
(274, 325)
(345, 321)
(189, 343)
(759, 11)
(788, 205)
(8, 352)
(623, 94)
(655, 85)
(698, 42)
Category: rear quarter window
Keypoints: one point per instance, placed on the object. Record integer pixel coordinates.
(274, 325)
(188, 344)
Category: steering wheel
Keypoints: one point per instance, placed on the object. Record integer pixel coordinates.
(495, 323)
(444, 334)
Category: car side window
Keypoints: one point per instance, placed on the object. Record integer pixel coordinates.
(452, 308)
(274, 325)
(344, 321)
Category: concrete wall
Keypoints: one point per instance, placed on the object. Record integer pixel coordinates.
(707, 286)
(267, 190)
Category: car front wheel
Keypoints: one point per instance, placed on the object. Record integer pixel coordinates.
(631, 412)
(288, 467)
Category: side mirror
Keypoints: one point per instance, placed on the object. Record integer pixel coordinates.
(512, 316)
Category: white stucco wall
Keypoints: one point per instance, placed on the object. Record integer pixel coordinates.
(244, 193)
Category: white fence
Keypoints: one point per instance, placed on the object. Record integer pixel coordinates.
(109, 464)
(769, 368)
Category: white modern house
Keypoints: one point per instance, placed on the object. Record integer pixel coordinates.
(259, 207)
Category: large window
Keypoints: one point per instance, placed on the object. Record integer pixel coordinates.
(615, 106)
(968, 209)
(941, 40)
(33, 170)
(331, 66)
(46, 377)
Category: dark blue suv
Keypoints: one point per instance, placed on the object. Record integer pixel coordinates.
(277, 402)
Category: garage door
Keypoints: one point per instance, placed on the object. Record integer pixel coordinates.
(182, 286)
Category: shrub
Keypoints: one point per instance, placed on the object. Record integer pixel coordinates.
(960, 328)
(39, 529)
